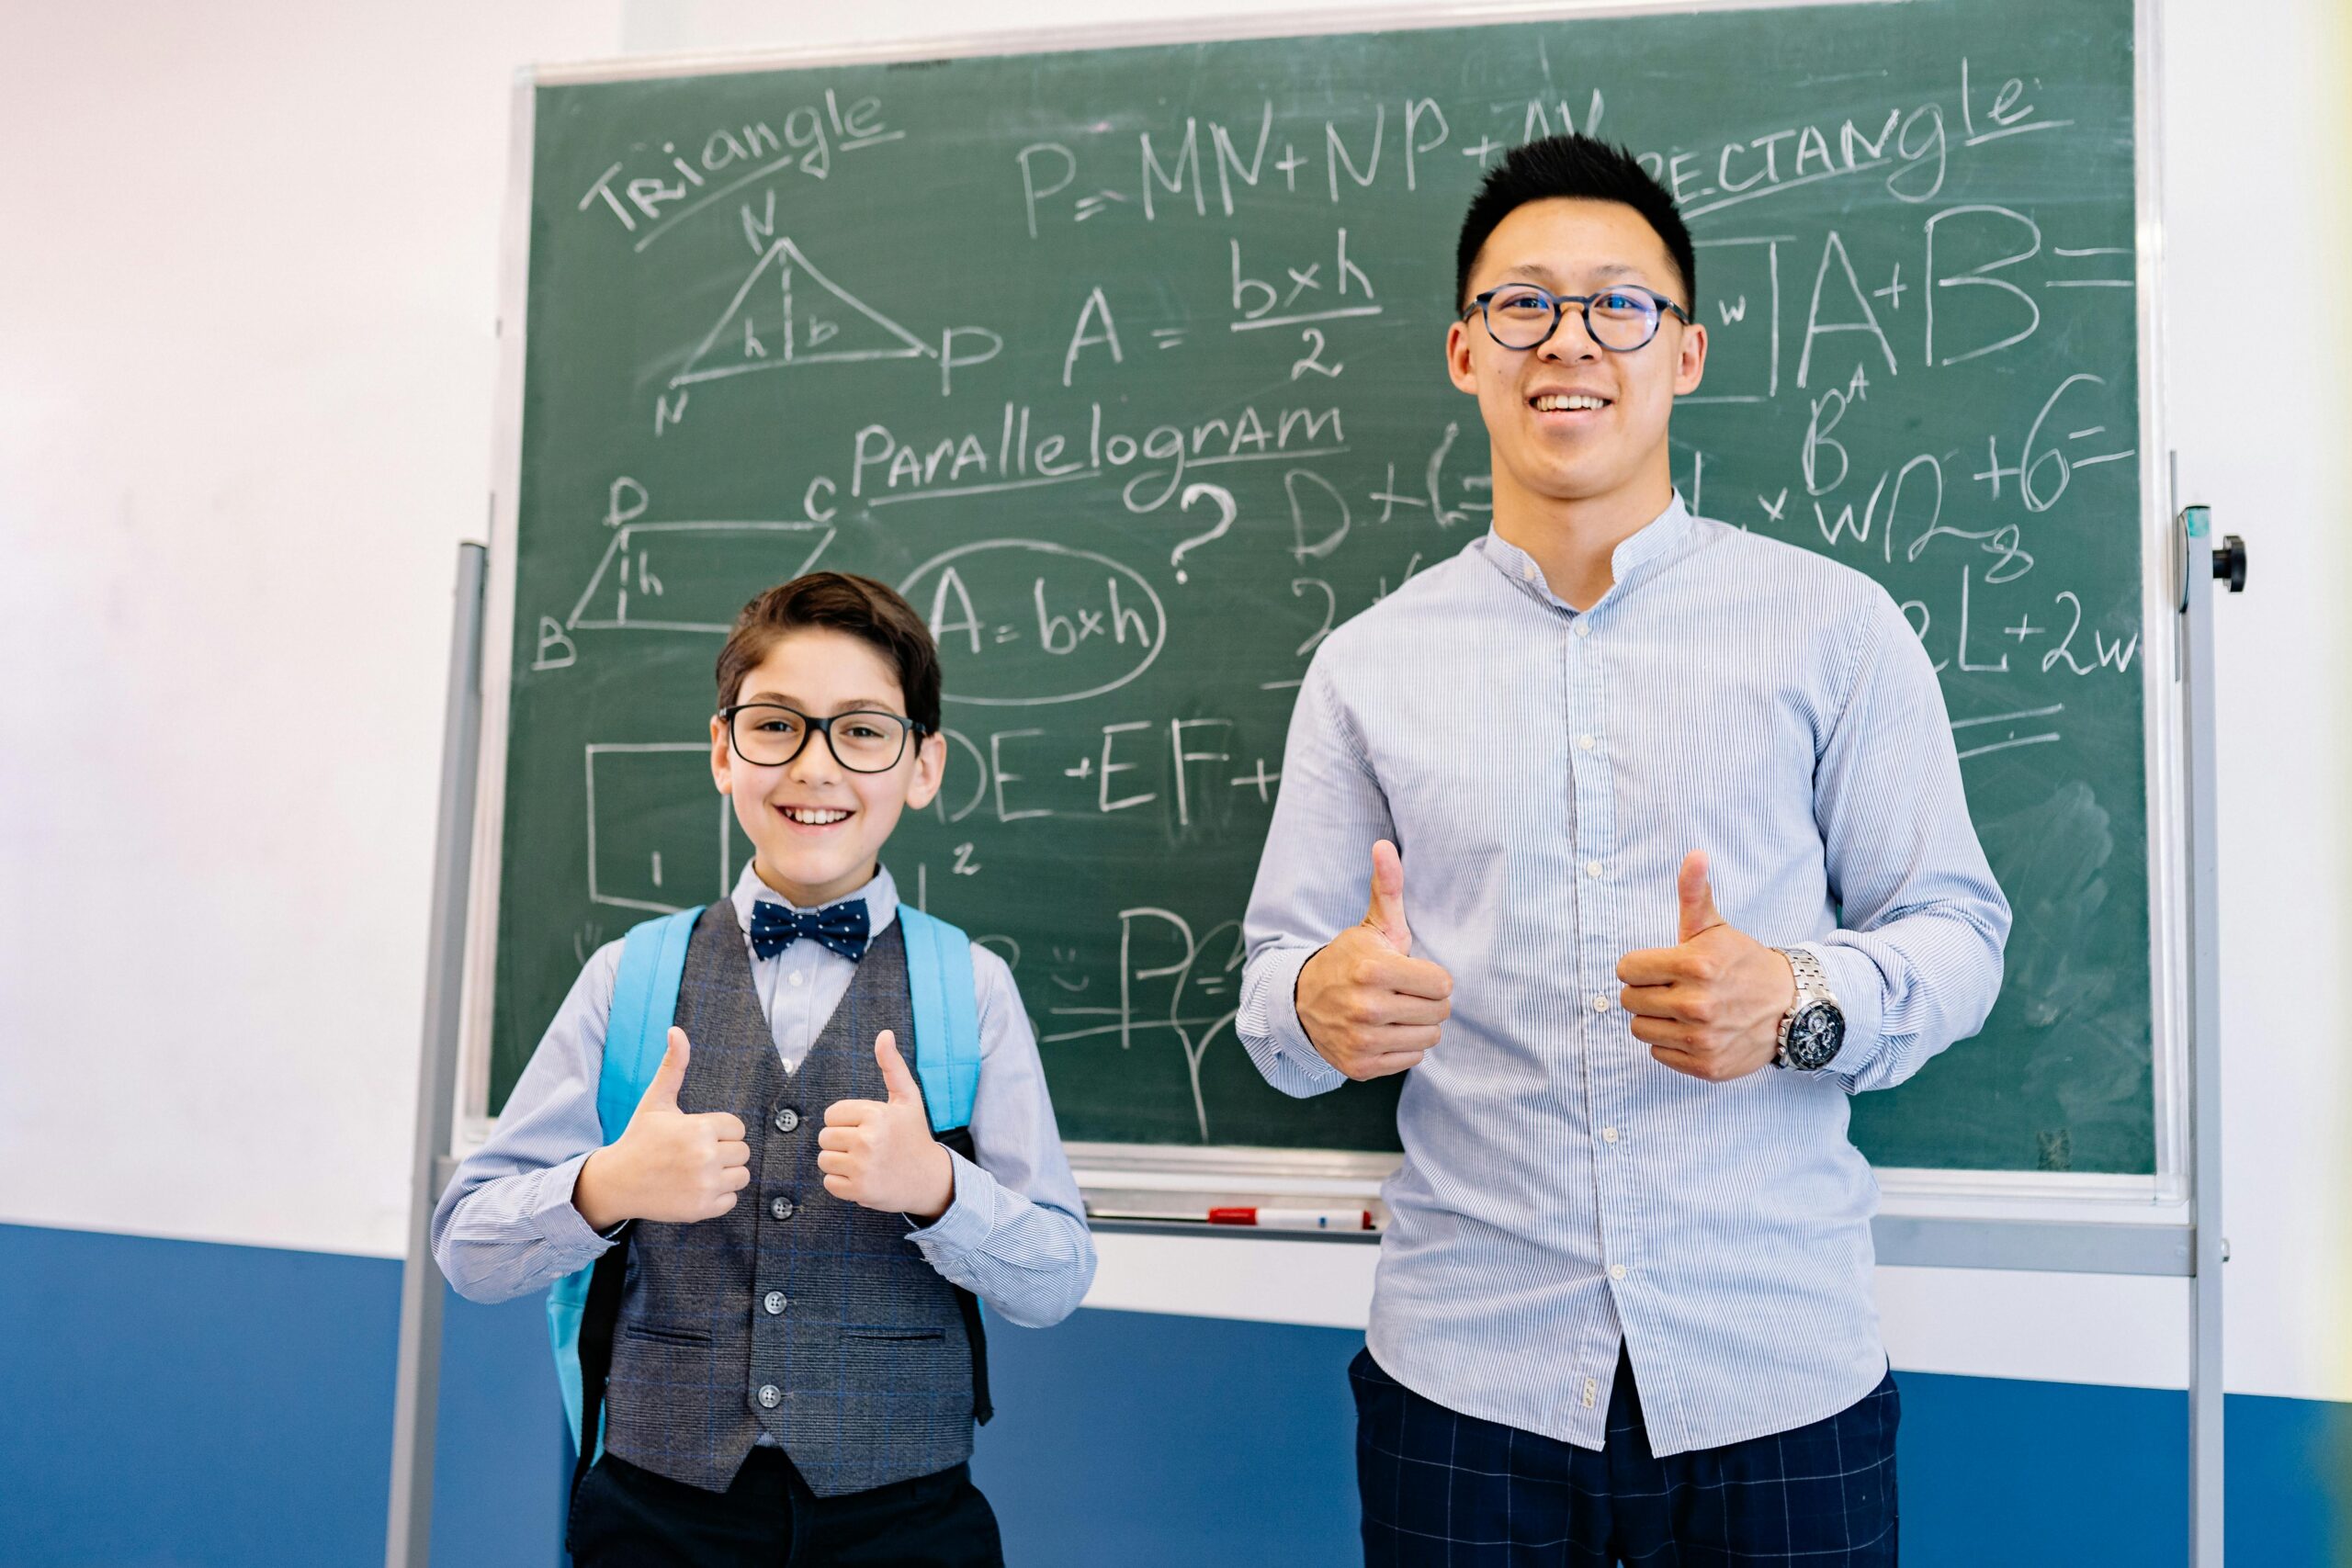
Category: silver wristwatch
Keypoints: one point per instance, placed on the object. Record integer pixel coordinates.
(1815, 1028)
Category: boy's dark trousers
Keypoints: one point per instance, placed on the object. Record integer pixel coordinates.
(623, 1516)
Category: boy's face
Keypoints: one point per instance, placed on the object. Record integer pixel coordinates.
(1577, 247)
(818, 827)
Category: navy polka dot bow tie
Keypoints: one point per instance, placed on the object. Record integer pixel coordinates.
(842, 927)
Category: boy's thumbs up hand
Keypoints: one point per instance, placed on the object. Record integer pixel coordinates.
(1710, 1006)
(671, 1165)
(1368, 1005)
(881, 1152)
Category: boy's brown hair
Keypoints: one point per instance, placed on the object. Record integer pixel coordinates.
(843, 602)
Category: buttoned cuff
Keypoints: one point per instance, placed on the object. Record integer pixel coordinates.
(1294, 1066)
(970, 1216)
(1854, 981)
(559, 1224)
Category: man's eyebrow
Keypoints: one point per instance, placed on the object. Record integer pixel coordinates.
(1544, 275)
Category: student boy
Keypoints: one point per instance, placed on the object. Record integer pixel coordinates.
(794, 1365)
(1690, 865)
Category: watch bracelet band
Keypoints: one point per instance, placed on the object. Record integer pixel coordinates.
(1813, 985)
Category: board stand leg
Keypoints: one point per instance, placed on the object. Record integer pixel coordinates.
(2197, 549)
(408, 1536)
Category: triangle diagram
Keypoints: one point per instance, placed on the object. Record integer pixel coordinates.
(788, 312)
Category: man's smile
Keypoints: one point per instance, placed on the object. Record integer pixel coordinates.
(1568, 407)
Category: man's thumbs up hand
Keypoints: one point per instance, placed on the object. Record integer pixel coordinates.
(670, 1165)
(1710, 1006)
(1368, 1005)
(880, 1153)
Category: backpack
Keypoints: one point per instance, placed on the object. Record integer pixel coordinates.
(582, 1306)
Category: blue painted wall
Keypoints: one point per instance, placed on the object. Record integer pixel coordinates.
(174, 1405)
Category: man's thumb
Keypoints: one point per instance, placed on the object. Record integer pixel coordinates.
(895, 1077)
(1387, 914)
(1697, 898)
(662, 1094)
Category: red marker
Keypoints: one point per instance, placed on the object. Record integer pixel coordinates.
(1295, 1219)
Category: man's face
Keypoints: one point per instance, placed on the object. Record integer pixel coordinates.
(1584, 453)
(817, 825)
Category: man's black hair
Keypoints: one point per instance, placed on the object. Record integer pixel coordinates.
(1583, 168)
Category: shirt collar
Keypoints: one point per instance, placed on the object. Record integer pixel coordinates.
(881, 896)
(1649, 543)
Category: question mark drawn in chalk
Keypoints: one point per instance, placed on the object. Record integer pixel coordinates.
(1223, 499)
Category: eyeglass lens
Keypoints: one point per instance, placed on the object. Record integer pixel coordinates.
(1524, 316)
(862, 742)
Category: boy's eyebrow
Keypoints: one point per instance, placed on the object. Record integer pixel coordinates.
(853, 705)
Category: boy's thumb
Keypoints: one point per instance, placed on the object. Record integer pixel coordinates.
(662, 1094)
(895, 1076)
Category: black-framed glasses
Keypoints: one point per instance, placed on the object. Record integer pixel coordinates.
(1520, 315)
(864, 740)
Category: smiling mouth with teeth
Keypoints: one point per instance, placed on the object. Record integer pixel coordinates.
(814, 816)
(1564, 403)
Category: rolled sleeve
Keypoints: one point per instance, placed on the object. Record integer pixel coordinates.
(970, 1216)
(1270, 1027)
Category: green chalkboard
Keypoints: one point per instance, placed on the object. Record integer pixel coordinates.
(1126, 365)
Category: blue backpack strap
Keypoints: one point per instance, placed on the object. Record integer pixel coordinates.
(645, 1001)
(637, 1033)
(947, 1022)
(947, 1063)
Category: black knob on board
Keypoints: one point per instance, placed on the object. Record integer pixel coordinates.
(2229, 563)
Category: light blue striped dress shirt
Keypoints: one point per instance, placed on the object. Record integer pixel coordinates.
(1014, 1235)
(1543, 772)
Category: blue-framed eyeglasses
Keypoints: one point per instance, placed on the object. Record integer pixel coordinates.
(1520, 315)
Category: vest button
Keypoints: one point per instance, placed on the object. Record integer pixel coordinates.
(780, 1207)
(787, 1120)
(774, 1302)
(770, 1397)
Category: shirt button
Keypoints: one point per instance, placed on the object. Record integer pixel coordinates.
(780, 1207)
(1609, 1135)
(1527, 571)
(787, 1120)
(1582, 629)
(797, 977)
(1600, 1003)
(770, 1397)
(774, 1302)
(1584, 742)
(1592, 868)
(1616, 1271)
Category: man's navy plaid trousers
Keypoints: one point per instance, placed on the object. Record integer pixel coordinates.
(1440, 1488)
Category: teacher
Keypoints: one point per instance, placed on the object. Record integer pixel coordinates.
(1689, 866)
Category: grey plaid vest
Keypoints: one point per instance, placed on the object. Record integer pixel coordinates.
(794, 1312)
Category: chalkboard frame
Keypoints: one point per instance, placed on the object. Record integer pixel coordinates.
(1152, 1179)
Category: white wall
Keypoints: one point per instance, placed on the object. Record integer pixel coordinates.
(246, 370)
(247, 299)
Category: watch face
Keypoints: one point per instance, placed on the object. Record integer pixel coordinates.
(1815, 1036)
